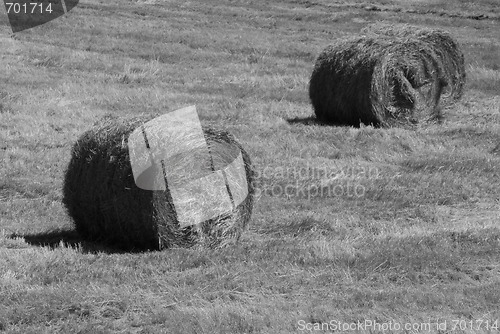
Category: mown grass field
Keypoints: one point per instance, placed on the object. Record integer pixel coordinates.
(351, 224)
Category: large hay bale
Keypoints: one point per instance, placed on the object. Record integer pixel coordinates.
(447, 49)
(376, 81)
(106, 205)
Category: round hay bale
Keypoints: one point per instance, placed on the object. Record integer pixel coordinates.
(447, 49)
(106, 204)
(376, 81)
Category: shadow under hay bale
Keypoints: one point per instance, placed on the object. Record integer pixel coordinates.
(106, 205)
(447, 49)
(65, 238)
(305, 121)
(376, 81)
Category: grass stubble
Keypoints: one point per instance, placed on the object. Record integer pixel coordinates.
(420, 243)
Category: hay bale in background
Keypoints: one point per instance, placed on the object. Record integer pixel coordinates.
(376, 81)
(106, 205)
(451, 58)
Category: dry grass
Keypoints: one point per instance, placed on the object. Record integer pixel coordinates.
(421, 243)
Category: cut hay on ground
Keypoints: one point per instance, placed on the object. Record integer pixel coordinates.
(377, 81)
(106, 205)
(446, 47)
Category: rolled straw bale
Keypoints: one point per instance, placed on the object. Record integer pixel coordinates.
(106, 205)
(448, 50)
(376, 81)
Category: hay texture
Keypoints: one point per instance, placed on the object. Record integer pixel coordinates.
(376, 81)
(393, 75)
(448, 51)
(106, 204)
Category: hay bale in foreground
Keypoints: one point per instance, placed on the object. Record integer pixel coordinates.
(107, 206)
(447, 49)
(376, 81)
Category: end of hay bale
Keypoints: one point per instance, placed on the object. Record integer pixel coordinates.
(448, 53)
(407, 84)
(102, 197)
